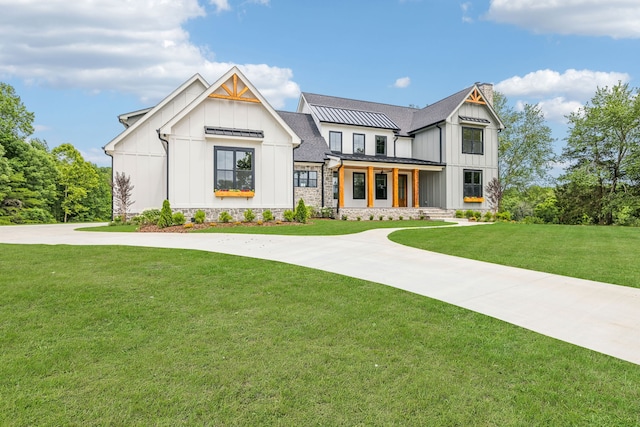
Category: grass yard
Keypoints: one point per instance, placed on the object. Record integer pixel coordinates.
(315, 227)
(605, 254)
(141, 336)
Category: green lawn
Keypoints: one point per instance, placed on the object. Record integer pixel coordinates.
(140, 336)
(315, 227)
(606, 254)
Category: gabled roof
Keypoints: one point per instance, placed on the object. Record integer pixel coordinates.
(399, 116)
(438, 112)
(219, 90)
(195, 78)
(313, 147)
(407, 120)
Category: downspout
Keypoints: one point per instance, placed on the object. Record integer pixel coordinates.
(112, 175)
(440, 129)
(395, 138)
(322, 190)
(165, 145)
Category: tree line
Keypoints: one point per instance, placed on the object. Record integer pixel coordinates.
(600, 183)
(601, 162)
(40, 185)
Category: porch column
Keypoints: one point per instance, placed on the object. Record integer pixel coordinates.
(395, 187)
(416, 188)
(370, 186)
(341, 187)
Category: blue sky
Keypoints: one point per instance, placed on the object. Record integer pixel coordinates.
(78, 65)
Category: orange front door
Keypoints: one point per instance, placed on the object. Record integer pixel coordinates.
(402, 191)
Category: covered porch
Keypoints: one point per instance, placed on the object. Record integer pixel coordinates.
(374, 182)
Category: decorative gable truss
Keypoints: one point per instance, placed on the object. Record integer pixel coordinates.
(239, 92)
(476, 97)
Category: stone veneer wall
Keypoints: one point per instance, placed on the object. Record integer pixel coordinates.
(395, 213)
(312, 196)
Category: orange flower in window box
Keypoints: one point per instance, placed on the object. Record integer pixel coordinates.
(474, 199)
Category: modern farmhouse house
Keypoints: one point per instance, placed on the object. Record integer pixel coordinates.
(222, 147)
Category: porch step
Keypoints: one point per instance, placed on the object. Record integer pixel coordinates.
(436, 213)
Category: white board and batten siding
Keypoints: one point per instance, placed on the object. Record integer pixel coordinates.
(191, 158)
(141, 155)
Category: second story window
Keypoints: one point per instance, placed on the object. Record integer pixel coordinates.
(358, 143)
(381, 145)
(472, 141)
(335, 141)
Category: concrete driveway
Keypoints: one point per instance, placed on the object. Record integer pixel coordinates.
(598, 316)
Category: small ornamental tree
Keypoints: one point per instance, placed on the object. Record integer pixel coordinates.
(494, 194)
(166, 217)
(301, 213)
(122, 194)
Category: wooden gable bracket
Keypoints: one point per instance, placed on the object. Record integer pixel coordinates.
(234, 95)
(476, 98)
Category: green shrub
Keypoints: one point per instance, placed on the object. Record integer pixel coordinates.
(503, 216)
(301, 214)
(199, 217)
(166, 217)
(326, 212)
(267, 215)
(390, 218)
(249, 216)
(344, 217)
(148, 217)
(288, 215)
(178, 218)
(477, 214)
(400, 217)
(311, 212)
(468, 214)
(459, 214)
(224, 217)
(370, 217)
(488, 216)
(359, 218)
(381, 217)
(532, 220)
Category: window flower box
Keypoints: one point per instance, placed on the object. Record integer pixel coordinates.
(234, 193)
(474, 199)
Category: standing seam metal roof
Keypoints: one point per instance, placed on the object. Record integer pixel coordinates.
(353, 117)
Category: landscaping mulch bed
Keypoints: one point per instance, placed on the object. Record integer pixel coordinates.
(183, 229)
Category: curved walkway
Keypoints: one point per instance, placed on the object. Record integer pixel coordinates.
(598, 316)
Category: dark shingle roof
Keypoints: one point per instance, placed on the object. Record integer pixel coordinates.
(313, 147)
(438, 112)
(211, 130)
(407, 119)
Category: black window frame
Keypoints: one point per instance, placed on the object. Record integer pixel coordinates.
(383, 139)
(381, 186)
(336, 133)
(364, 144)
(305, 177)
(360, 187)
(472, 146)
(235, 170)
(471, 188)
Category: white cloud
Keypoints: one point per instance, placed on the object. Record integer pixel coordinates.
(105, 45)
(465, 12)
(558, 94)
(613, 18)
(402, 82)
(221, 5)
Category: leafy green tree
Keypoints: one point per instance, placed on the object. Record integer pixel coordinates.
(603, 153)
(525, 151)
(15, 121)
(77, 179)
(166, 216)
